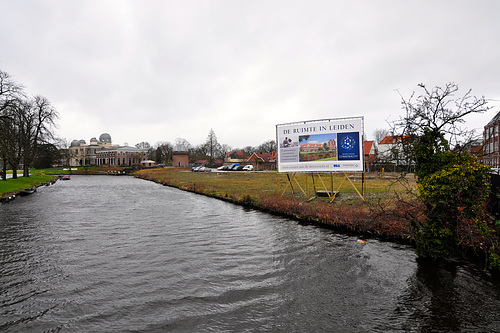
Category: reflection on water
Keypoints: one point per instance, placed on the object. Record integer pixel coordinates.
(119, 254)
(451, 297)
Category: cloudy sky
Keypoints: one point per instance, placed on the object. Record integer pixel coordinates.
(157, 70)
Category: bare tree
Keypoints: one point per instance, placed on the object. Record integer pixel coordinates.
(183, 142)
(64, 150)
(27, 124)
(143, 145)
(39, 119)
(24, 123)
(379, 134)
(11, 135)
(433, 124)
(249, 150)
(10, 93)
(267, 147)
(439, 111)
(5, 136)
(163, 152)
(225, 148)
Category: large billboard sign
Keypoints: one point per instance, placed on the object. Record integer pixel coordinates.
(331, 145)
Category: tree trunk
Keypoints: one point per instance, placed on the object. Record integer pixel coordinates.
(4, 169)
(26, 170)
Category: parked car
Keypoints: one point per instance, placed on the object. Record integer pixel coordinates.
(248, 167)
(195, 169)
(224, 167)
(239, 168)
(234, 166)
(204, 169)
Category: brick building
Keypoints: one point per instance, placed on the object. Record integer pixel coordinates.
(491, 142)
(307, 147)
(102, 152)
(263, 161)
(180, 156)
(121, 156)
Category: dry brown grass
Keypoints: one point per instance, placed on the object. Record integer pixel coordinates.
(257, 183)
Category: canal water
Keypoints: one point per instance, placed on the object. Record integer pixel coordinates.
(120, 254)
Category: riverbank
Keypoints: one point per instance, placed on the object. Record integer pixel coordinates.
(387, 214)
(121, 248)
(390, 200)
(11, 187)
(83, 171)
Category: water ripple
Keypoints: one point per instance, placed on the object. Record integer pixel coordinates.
(118, 254)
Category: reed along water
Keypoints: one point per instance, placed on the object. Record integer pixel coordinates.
(120, 254)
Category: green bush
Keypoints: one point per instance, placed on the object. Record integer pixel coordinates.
(494, 260)
(454, 199)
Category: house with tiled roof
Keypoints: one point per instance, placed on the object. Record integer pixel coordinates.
(198, 163)
(370, 155)
(235, 157)
(263, 161)
(391, 150)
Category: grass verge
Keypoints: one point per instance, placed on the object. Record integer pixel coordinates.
(14, 186)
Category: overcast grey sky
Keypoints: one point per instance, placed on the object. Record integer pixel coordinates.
(156, 70)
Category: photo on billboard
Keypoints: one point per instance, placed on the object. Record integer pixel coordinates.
(331, 145)
(318, 147)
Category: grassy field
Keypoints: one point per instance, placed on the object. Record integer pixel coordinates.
(383, 213)
(12, 186)
(256, 184)
(42, 176)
